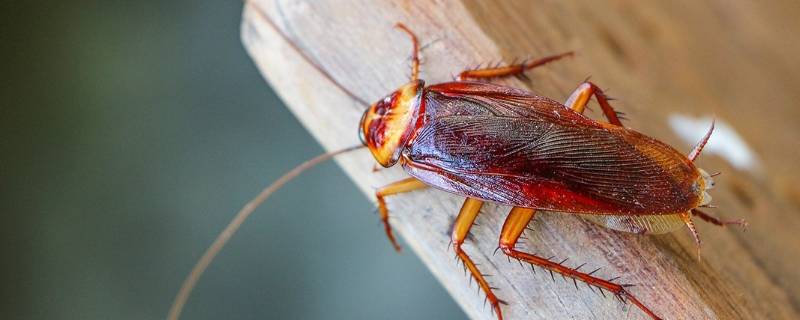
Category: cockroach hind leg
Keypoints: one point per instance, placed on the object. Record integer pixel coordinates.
(717, 221)
(515, 224)
(687, 219)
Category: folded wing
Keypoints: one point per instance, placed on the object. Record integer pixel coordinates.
(528, 151)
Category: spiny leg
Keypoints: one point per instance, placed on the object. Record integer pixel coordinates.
(580, 98)
(515, 224)
(414, 52)
(717, 221)
(464, 221)
(687, 219)
(514, 69)
(402, 186)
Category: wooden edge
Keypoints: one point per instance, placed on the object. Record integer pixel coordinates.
(356, 43)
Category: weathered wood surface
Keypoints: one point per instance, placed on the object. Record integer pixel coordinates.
(737, 61)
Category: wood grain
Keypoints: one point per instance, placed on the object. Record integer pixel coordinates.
(736, 61)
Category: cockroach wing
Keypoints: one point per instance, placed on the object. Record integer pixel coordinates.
(649, 224)
(512, 147)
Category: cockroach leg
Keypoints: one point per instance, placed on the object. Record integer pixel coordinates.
(687, 219)
(717, 221)
(514, 69)
(464, 221)
(515, 224)
(579, 98)
(402, 186)
(414, 52)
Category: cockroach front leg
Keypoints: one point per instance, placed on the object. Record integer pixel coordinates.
(579, 98)
(414, 51)
(464, 221)
(515, 224)
(514, 69)
(402, 186)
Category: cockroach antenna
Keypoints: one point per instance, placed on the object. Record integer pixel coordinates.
(699, 147)
(236, 222)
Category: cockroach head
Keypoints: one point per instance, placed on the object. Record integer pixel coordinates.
(705, 183)
(388, 125)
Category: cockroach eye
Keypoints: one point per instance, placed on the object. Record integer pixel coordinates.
(382, 106)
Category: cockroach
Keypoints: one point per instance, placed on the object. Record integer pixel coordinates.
(493, 143)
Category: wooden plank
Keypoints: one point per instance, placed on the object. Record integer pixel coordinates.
(730, 60)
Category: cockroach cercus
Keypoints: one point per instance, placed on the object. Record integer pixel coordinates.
(492, 143)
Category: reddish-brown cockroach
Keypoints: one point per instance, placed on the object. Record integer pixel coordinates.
(488, 142)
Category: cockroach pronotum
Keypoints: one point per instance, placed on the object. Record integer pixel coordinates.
(494, 143)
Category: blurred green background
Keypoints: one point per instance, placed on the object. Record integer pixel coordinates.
(131, 133)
